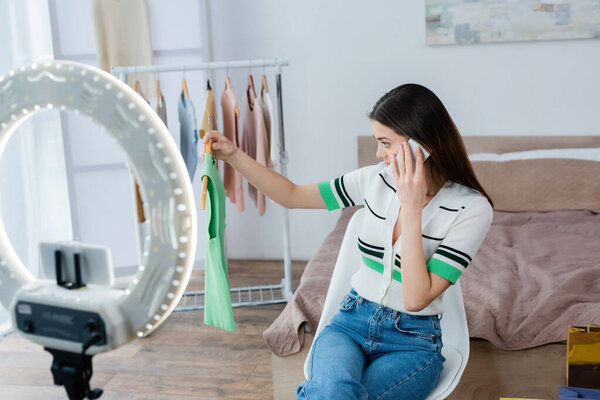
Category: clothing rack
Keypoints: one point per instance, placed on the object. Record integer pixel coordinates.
(250, 295)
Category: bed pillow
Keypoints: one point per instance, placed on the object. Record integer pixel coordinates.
(591, 154)
(541, 180)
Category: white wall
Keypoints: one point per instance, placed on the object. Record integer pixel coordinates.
(345, 54)
(101, 187)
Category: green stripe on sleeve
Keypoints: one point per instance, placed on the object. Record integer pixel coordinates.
(327, 195)
(396, 276)
(444, 270)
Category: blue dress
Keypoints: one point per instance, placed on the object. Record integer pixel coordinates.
(188, 134)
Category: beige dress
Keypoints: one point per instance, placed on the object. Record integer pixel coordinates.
(272, 128)
(123, 38)
(161, 108)
(139, 203)
(209, 110)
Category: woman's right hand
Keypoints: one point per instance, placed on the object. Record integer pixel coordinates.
(223, 148)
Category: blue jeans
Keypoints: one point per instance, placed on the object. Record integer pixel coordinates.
(370, 351)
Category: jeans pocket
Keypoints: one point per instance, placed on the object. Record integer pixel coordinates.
(414, 331)
(348, 303)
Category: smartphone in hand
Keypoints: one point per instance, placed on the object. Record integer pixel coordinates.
(413, 151)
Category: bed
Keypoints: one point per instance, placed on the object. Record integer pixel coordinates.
(537, 270)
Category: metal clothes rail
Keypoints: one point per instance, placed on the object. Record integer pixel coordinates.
(250, 295)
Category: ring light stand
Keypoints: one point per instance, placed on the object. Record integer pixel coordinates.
(75, 322)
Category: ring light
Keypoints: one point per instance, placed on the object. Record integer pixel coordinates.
(164, 185)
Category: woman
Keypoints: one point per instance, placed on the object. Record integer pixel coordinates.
(422, 226)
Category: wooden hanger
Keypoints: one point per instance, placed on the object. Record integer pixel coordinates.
(184, 89)
(265, 87)
(157, 91)
(207, 149)
(138, 89)
(252, 85)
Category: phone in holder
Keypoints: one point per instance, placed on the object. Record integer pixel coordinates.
(413, 151)
(75, 264)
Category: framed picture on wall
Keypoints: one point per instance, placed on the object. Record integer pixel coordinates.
(489, 21)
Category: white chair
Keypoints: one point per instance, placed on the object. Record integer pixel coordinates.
(455, 334)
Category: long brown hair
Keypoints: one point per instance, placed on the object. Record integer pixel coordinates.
(416, 112)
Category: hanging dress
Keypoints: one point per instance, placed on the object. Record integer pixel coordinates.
(273, 129)
(139, 203)
(209, 110)
(254, 140)
(122, 30)
(188, 134)
(232, 179)
(217, 300)
(161, 107)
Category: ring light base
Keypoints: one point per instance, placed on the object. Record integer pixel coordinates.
(73, 371)
(60, 318)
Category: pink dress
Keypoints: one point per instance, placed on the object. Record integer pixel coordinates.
(255, 141)
(232, 180)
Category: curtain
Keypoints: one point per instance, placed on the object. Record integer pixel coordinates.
(34, 200)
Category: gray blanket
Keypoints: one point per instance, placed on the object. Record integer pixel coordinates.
(535, 274)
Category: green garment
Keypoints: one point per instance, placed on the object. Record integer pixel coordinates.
(217, 300)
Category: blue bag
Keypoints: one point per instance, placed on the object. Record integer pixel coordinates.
(566, 393)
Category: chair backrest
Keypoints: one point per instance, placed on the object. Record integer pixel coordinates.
(454, 322)
(455, 331)
(455, 335)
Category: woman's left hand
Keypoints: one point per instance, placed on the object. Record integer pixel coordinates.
(410, 185)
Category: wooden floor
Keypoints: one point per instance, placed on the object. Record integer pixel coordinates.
(183, 359)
